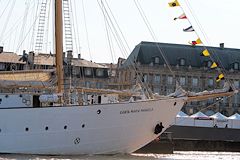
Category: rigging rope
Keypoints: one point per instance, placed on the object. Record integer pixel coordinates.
(108, 36)
(31, 27)
(24, 22)
(47, 27)
(121, 46)
(8, 17)
(222, 69)
(5, 9)
(206, 38)
(75, 27)
(153, 35)
(86, 30)
(87, 37)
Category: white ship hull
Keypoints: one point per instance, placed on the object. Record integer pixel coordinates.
(96, 129)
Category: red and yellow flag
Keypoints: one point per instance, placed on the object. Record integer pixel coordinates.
(198, 41)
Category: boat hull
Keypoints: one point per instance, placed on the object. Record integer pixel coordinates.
(96, 129)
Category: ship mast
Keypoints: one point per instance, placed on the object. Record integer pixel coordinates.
(59, 45)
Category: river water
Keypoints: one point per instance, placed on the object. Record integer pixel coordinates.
(176, 156)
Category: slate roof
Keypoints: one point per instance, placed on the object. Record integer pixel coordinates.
(10, 57)
(145, 52)
(46, 59)
(86, 63)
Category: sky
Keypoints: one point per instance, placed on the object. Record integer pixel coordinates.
(215, 21)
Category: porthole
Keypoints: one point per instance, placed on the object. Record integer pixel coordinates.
(98, 111)
(0, 130)
(46, 128)
(20, 95)
(65, 127)
(6, 96)
(83, 125)
(26, 129)
(175, 103)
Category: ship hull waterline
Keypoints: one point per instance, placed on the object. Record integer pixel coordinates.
(96, 129)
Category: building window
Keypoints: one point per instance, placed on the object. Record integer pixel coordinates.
(2, 66)
(99, 72)
(169, 91)
(151, 64)
(235, 99)
(157, 78)
(156, 90)
(169, 80)
(145, 78)
(182, 81)
(182, 62)
(156, 60)
(236, 84)
(210, 82)
(209, 64)
(99, 85)
(236, 66)
(88, 71)
(87, 84)
(194, 82)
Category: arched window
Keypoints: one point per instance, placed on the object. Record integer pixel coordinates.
(182, 62)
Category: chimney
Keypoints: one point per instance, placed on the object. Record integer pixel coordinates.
(1, 49)
(31, 56)
(69, 54)
(221, 45)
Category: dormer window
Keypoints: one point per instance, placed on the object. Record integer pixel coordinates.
(236, 66)
(182, 62)
(156, 60)
(88, 71)
(99, 72)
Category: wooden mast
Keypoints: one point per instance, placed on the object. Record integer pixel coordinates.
(59, 45)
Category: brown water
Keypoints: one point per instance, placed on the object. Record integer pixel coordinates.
(175, 156)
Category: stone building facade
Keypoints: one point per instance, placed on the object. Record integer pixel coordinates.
(77, 71)
(146, 64)
(188, 67)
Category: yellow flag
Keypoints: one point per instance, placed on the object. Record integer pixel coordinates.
(174, 4)
(220, 77)
(205, 53)
(214, 65)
